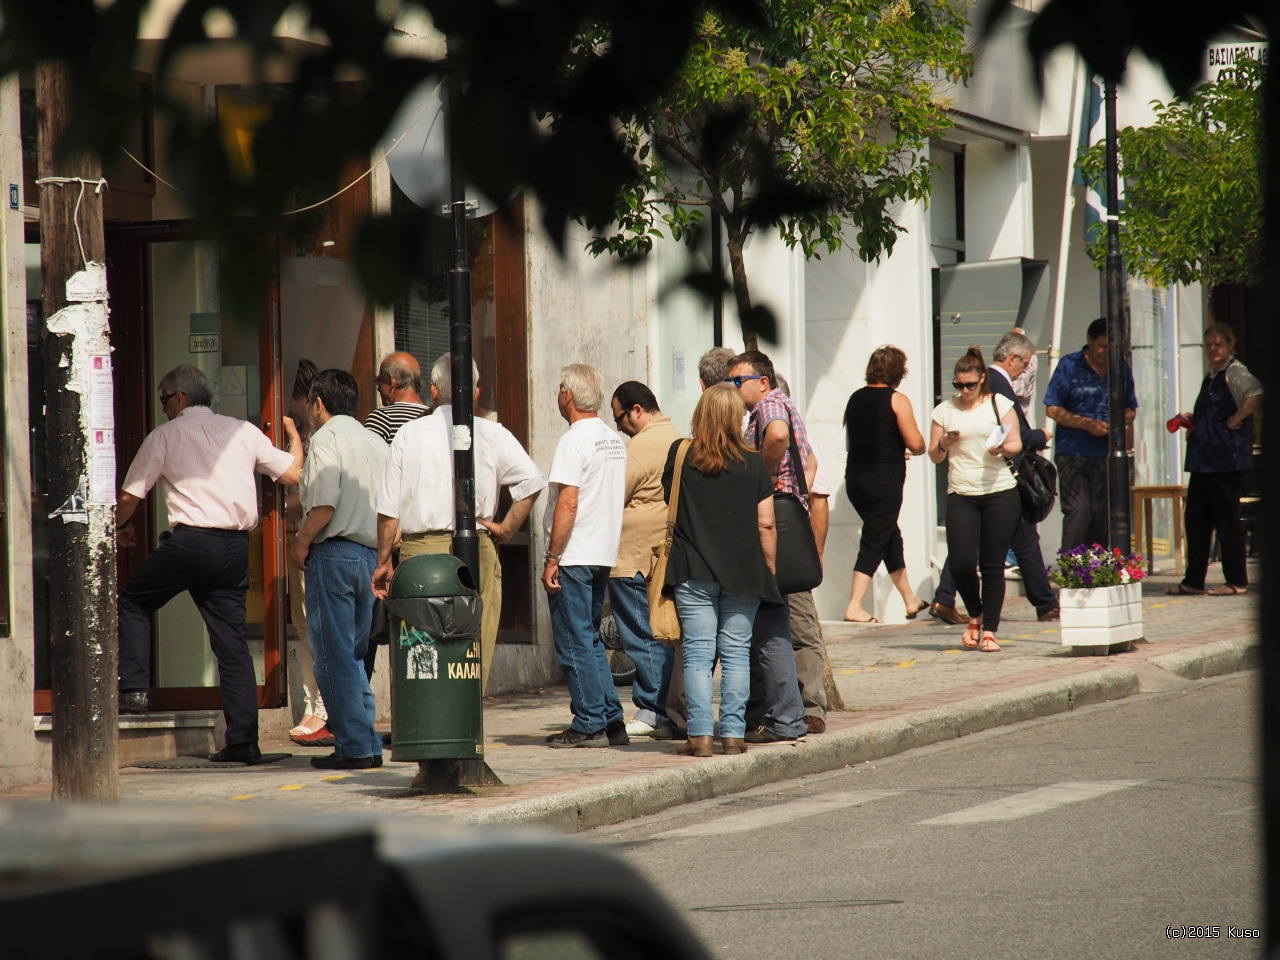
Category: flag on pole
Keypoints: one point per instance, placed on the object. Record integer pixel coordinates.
(1093, 129)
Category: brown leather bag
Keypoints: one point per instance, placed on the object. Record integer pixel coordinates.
(664, 620)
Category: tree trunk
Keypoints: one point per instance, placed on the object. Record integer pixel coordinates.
(741, 291)
(81, 487)
(835, 701)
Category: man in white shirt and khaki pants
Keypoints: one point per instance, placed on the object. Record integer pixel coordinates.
(415, 500)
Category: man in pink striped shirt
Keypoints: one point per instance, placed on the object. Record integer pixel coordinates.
(204, 464)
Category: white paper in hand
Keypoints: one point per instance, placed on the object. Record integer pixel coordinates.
(997, 436)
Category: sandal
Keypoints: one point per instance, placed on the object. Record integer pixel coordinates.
(1183, 590)
(912, 614)
(308, 725)
(988, 644)
(971, 634)
(1227, 590)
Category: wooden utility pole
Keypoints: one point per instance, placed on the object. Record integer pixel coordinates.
(78, 418)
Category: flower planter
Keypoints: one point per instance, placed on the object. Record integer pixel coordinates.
(1101, 616)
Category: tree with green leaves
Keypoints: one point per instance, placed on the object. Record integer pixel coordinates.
(826, 106)
(1193, 195)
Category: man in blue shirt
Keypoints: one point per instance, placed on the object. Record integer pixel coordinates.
(1077, 401)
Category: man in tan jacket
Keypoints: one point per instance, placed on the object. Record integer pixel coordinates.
(644, 523)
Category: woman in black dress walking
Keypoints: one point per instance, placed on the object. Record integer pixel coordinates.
(881, 435)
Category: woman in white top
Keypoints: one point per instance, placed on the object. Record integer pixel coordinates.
(983, 506)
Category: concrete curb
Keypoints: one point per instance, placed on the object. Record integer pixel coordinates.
(651, 793)
(1211, 660)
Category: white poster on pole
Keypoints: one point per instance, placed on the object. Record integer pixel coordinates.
(101, 431)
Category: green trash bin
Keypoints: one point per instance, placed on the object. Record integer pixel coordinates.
(435, 660)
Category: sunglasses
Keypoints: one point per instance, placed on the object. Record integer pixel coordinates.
(166, 397)
(962, 385)
(739, 381)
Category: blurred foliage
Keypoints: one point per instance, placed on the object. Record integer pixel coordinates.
(810, 120)
(1105, 32)
(512, 54)
(1193, 198)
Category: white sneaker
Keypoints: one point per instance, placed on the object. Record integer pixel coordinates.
(1012, 571)
(638, 728)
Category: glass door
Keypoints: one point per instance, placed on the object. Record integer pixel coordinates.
(186, 320)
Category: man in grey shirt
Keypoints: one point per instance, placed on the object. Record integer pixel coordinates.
(336, 547)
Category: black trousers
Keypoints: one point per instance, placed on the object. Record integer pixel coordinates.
(1082, 485)
(213, 566)
(1213, 506)
(1026, 548)
(979, 531)
(878, 501)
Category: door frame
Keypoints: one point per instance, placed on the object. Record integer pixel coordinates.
(129, 284)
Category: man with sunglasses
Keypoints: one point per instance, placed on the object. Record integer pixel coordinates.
(205, 465)
(781, 702)
(1077, 400)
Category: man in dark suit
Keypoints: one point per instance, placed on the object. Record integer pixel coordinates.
(1012, 354)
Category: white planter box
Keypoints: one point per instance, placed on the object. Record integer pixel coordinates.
(1101, 616)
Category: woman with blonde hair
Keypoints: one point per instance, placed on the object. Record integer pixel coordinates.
(974, 431)
(722, 564)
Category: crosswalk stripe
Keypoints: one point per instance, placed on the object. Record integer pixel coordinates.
(1032, 802)
(776, 814)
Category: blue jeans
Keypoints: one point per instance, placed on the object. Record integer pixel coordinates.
(716, 622)
(775, 702)
(575, 624)
(339, 606)
(630, 601)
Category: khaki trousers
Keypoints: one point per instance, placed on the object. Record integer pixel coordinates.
(416, 544)
(811, 661)
(312, 702)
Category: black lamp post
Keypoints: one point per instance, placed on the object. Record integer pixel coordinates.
(1118, 493)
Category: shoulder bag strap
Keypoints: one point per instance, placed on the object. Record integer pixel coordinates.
(675, 485)
(996, 410)
(795, 458)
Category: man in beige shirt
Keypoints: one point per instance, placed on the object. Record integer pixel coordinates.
(644, 524)
(336, 546)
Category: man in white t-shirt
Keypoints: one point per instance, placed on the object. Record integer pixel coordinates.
(583, 525)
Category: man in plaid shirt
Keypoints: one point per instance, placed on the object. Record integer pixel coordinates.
(776, 710)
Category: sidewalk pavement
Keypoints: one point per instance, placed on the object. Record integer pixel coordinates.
(906, 685)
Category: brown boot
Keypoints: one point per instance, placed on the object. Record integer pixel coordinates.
(696, 747)
(734, 745)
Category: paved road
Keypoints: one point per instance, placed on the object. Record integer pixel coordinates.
(1091, 834)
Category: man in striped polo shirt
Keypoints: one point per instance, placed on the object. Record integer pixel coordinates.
(399, 383)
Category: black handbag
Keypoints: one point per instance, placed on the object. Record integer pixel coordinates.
(798, 565)
(1037, 480)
